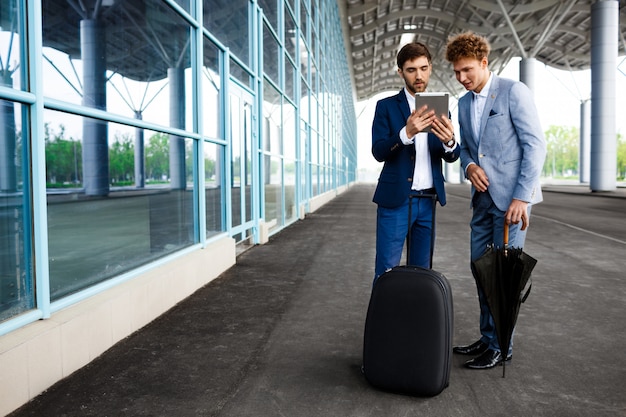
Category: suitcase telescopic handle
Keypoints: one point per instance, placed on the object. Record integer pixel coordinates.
(432, 232)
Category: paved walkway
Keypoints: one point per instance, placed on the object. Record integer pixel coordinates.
(280, 333)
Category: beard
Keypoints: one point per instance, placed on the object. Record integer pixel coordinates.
(418, 86)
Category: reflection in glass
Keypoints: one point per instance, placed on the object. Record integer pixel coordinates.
(88, 60)
(270, 10)
(11, 34)
(214, 172)
(93, 238)
(16, 278)
(290, 79)
(290, 34)
(271, 55)
(272, 119)
(239, 73)
(211, 91)
(228, 20)
(273, 191)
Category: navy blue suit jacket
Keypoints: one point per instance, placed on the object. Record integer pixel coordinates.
(396, 177)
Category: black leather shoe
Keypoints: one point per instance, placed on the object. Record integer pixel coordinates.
(475, 348)
(488, 359)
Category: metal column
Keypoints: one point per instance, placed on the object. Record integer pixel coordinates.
(176, 77)
(527, 72)
(95, 132)
(585, 141)
(604, 47)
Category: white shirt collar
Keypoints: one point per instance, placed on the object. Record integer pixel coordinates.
(410, 98)
(484, 93)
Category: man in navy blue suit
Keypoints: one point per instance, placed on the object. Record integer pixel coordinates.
(412, 164)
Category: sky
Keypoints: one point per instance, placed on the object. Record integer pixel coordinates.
(558, 96)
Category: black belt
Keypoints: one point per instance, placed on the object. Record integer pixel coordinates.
(424, 191)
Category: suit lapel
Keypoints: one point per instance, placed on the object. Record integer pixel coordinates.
(491, 98)
(404, 106)
(466, 107)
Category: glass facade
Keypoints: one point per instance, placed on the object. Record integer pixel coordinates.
(127, 127)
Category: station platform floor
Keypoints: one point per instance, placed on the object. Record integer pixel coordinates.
(281, 332)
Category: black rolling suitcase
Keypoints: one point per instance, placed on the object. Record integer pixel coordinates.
(407, 344)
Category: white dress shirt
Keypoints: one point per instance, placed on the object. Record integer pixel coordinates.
(423, 174)
(478, 106)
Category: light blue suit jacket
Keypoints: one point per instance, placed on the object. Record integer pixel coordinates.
(511, 148)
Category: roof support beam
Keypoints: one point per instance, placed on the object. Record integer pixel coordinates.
(552, 26)
(505, 13)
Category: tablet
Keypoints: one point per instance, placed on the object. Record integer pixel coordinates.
(434, 101)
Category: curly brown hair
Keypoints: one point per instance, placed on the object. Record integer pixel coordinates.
(467, 45)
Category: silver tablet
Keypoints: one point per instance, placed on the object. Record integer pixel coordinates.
(434, 101)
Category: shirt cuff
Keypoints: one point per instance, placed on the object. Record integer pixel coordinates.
(404, 138)
(468, 165)
(451, 148)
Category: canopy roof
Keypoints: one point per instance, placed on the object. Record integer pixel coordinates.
(555, 32)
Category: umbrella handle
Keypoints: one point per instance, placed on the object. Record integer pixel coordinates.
(506, 231)
(506, 234)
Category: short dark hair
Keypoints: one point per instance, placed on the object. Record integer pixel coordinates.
(411, 51)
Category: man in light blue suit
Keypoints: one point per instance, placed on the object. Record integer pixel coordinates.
(502, 155)
(412, 164)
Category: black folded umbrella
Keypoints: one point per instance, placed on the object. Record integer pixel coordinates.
(502, 274)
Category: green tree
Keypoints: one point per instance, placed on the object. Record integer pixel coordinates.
(157, 157)
(122, 159)
(621, 157)
(63, 158)
(562, 151)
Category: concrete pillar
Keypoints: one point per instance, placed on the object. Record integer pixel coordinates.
(527, 72)
(176, 77)
(8, 174)
(585, 141)
(604, 44)
(95, 132)
(140, 166)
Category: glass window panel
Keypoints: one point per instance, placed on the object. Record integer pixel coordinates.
(272, 119)
(184, 4)
(214, 187)
(273, 191)
(271, 55)
(315, 145)
(290, 128)
(211, 91)
(304, 19)
(11, 42)
(16, 277)
(291, 213)
(290, 79)
(270, 10)
(304, 60)
(92, 62)
(291, 35)
(240, 74)
(236, 139)
(229, 22)
(304, 100)
(129, 224)
(303, 157)
(291, 4)
(247, 131)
